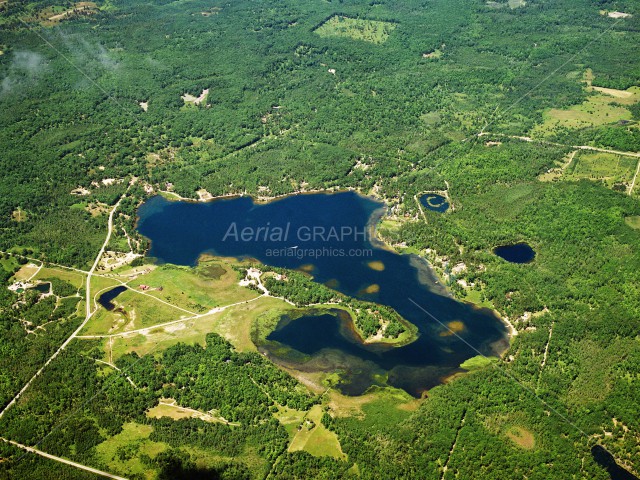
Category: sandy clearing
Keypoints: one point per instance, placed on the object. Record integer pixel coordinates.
(81, 191)
(204, 196)
(614, 93)
(618, 15)
(188, 98)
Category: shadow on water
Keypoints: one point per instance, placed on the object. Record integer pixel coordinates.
(356, 265)
(606, 460)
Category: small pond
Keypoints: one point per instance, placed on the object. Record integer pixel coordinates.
(43, 287)
(434, 202)
(107, 297)
(518, 253)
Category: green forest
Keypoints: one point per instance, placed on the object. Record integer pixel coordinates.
(525, 113)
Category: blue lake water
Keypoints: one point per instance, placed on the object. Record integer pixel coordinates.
(327, 235)
(518, 253)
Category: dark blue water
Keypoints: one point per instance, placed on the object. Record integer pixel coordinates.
(107, 297)
(518, 253)
(350, 263)
(434, 202)
(606, 460)
(43, 287)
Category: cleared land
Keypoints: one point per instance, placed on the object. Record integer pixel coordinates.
(603, 106)
(168, 407)
(290, 419)
(521, 437)
(26, 272)
(633, 221)
(314, 438)
(121, 453)
(209, 285)
(133, 311)
(74, 278)
(373, 31)
(234, 324)
(611, 169)
(598, 109)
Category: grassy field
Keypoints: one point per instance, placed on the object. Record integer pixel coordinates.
(211, 284)
(521, 437)
(120, 453)
(133, 311)
(234, 324)
(475, 297)
(512, 428)
(477, 362)
(633, 221)
(373, 31)
(161, 338)
(607, 167)
(76, 279)
(168, 407)
(358, 407)
(26, 272)
(315, 438)
(290, 419)
(603, 106)
(9, 263)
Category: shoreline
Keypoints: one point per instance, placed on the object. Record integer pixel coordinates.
(262, 199)
(376, 218)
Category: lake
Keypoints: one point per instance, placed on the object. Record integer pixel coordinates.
(106, 299)
(329, 236)
(518, 253)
